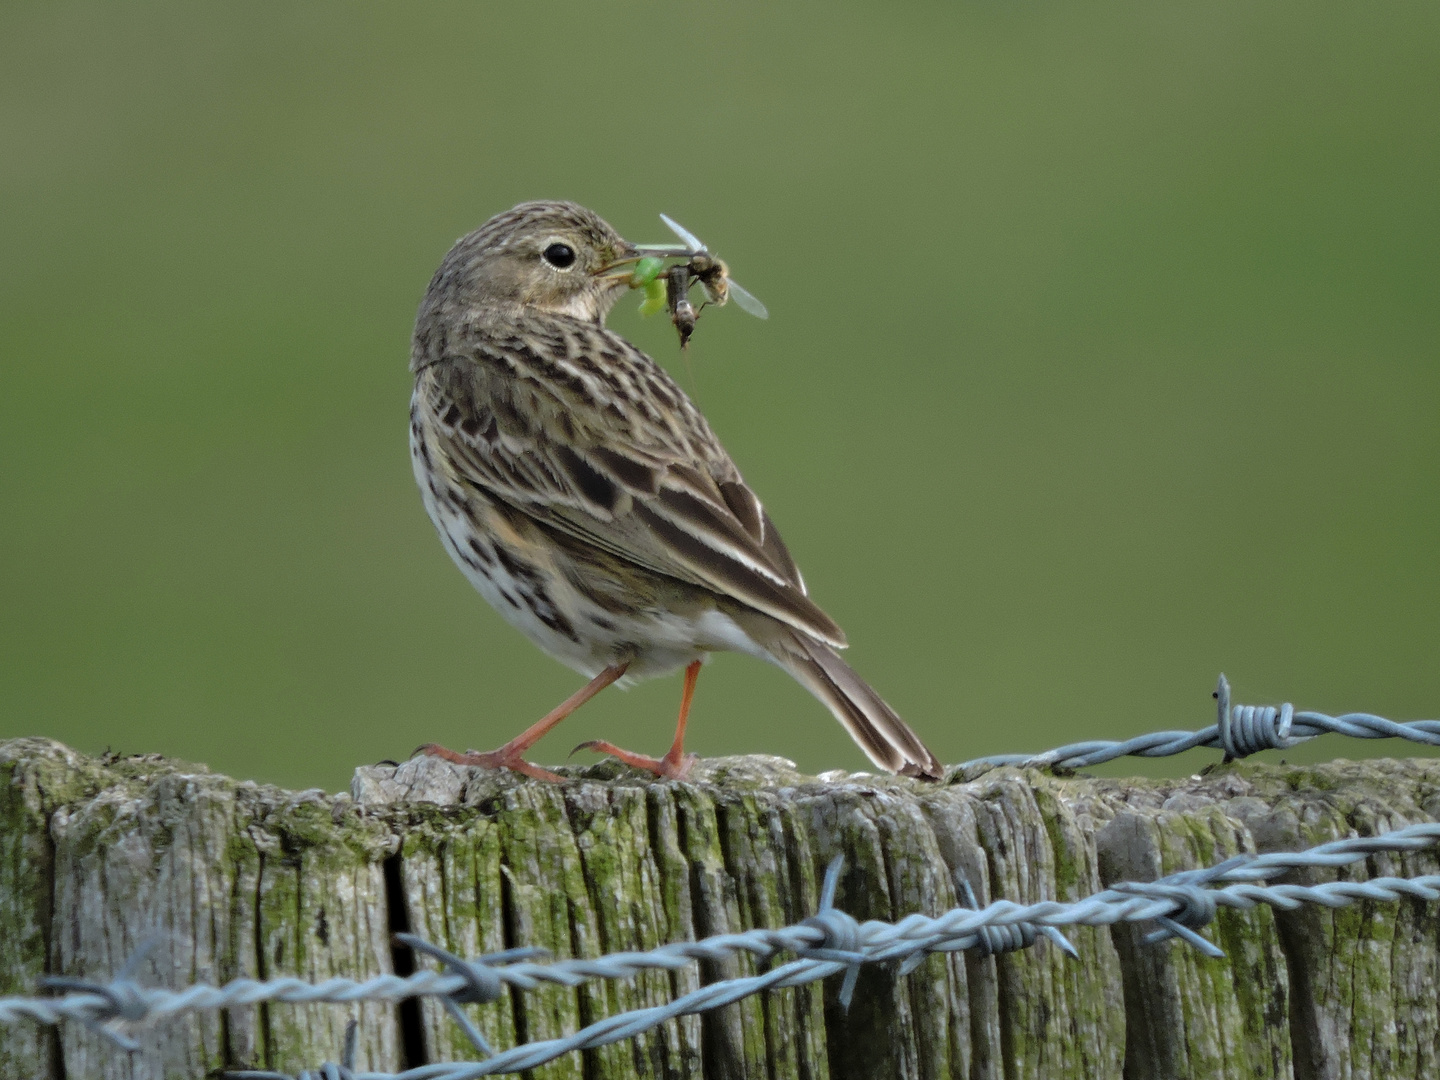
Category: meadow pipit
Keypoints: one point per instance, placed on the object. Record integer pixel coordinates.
(586, 498)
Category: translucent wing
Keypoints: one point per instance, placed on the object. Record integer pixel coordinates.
(683, 233)
(747, 300)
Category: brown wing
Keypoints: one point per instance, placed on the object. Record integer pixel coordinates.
(570, 424)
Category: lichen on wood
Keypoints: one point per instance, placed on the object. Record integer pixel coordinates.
(238, 879)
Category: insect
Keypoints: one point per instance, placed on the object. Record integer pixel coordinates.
(677, 297)
(714, 275)
(670, 290)
(646, 275)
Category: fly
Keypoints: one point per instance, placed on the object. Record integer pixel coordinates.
(669, 289)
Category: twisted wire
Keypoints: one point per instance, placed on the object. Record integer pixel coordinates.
(1239, 730)
(124, 999)
(1172, 895)
(826, 944)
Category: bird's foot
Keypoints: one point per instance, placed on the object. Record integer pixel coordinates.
(507, 757)
(673, 766)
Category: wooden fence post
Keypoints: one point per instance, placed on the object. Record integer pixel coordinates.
(243, 879)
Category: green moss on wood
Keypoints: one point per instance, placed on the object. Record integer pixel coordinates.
(250, 880)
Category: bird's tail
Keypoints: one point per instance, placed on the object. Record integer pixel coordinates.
(886, 739)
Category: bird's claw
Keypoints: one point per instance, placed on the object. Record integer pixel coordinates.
(506, 757)
(673, 766)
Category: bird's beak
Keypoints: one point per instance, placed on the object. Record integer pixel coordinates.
(619, 268)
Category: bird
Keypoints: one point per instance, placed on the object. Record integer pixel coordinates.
(585, 497)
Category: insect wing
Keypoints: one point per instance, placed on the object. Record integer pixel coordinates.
(747, 300)
(683, 233)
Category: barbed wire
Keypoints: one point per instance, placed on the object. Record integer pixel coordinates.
(329, 1071)
(825, 944)
(1239, 730)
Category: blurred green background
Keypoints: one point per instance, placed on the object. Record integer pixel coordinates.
(1102, 358)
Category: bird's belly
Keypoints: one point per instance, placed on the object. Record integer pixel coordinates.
(508, 584)
(671, 640)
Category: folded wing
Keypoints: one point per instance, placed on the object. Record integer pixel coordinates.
(587, 435)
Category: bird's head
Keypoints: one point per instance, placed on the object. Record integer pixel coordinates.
(555, 257)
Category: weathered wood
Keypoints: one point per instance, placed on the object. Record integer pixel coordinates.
(242, 879)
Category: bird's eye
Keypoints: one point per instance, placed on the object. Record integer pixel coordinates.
(560, 256)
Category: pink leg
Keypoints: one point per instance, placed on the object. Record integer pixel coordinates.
(676, 763)
(508, 756)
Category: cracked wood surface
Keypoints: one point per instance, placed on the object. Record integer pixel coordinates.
(244, 879)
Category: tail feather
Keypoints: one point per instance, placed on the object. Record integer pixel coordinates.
(886, 739)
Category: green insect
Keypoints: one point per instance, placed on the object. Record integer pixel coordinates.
(655, 298)
(646, 271)
(646, 275)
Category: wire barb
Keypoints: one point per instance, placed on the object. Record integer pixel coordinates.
(840, 943)
(328, 1071)
(482, 983)
(122, 998)
(1248, 729)
(1239, 731)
